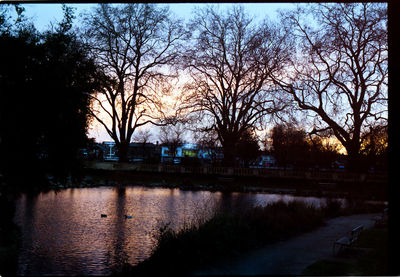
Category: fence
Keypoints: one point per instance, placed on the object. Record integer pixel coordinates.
(332, 176)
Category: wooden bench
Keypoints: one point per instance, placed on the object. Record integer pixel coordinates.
(347, 241)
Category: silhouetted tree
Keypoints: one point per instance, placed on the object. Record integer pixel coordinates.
(69, 82)
(134, 44)
(45, 84)
(230, 60)
(9, 25)
(289, 145)
(323, 151)
(248, 149)
(375, 148)
(340, 72)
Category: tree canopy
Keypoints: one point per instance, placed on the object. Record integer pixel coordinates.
(340, 72)
(45, 83)
(132, 43)
(230, 59)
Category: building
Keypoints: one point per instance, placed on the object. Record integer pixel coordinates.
(144, 152)
(190, 153)
(186, 150)
(110, 152)
(264, 161)
(185, 154)
(137, 152)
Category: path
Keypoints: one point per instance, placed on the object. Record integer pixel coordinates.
(293, 255)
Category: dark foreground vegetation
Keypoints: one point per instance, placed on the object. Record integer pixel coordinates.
(232, 232)
(45, 80)
(9, 237)
(369, 256)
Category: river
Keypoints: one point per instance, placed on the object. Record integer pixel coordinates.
(63, 232)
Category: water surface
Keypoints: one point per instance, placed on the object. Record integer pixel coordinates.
(64, 233)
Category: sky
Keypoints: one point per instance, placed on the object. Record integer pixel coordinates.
(42, 15)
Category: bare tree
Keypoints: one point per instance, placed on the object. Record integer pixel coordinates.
(229, 61)
(143, 137)
(340, 73)
(172, 137)
(134, 44)
(208, 141)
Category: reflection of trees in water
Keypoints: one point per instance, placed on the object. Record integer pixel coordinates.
(234, 202)
(116, 252)
(190, 209)
(29, 207)
(204, 208)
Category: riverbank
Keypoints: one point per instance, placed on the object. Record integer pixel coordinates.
(225, 235)
(293, 256)
(224, 243)
(253, 184)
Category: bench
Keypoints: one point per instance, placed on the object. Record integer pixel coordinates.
(381, 220)
(347, 241)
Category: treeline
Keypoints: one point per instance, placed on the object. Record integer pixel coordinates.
(289, 144)
(324, 65)
(293, 147)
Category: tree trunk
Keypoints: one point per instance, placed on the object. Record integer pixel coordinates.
(354, 159)
(229, 153)
(123, 151)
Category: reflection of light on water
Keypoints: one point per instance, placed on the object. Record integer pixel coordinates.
(264, 199)
(64, 234)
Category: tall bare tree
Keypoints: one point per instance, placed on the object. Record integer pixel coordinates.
(340, 72)
(134, 44)
(230, 61)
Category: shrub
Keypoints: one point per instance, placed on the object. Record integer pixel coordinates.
(332, 208)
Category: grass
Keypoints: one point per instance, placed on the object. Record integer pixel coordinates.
(372, 261)
(227, 234)
(239, 229)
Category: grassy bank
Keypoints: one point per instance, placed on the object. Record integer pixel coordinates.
(229, 233)
(368, 257)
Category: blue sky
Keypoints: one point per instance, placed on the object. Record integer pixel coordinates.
(42, 14)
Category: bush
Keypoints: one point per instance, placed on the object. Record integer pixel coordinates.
(332, 208)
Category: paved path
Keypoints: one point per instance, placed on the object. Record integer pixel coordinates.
(293, 255)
